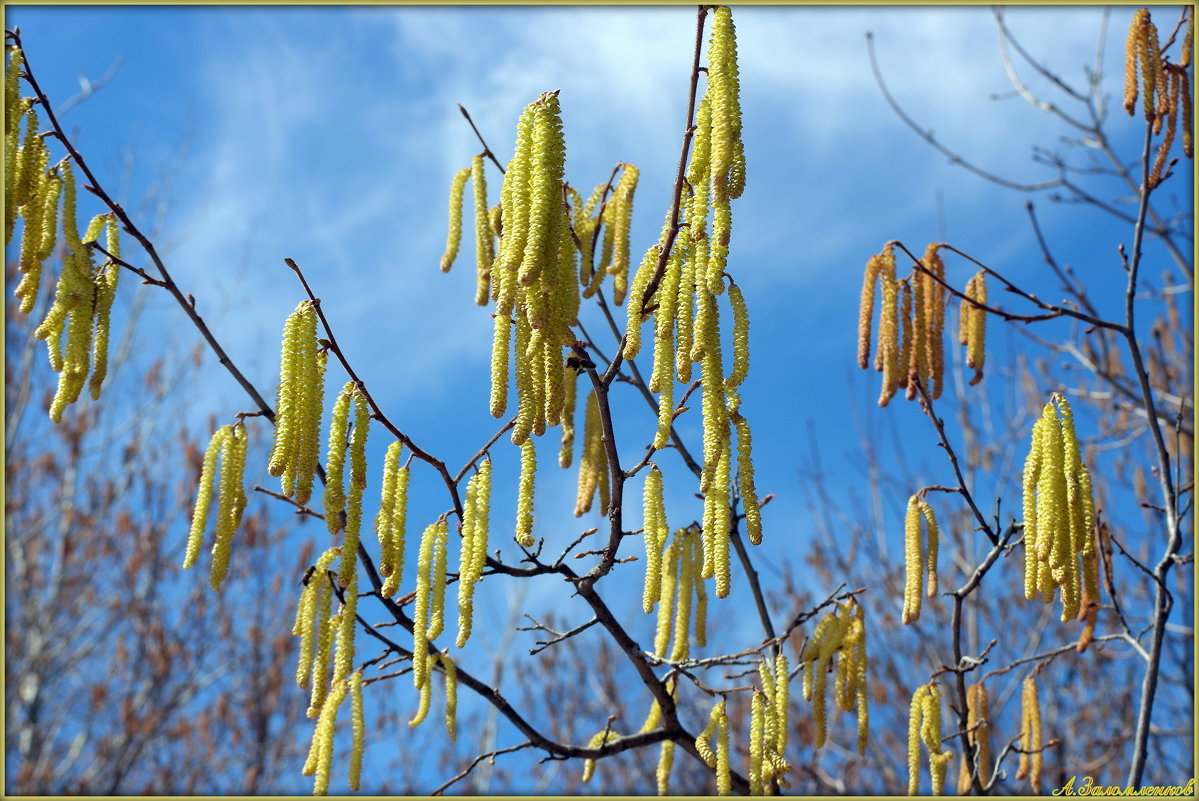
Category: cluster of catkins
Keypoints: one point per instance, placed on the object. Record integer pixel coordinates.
(77, 324)
(1059, 516)
(911, 327)
(680, 294)
(924, 725)
(842, 632)
(919, 560)
(1166, 87)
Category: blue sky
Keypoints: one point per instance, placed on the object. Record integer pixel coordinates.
(329, 135)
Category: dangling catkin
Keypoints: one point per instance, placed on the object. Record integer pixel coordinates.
(231, 500)
(358, 743)
(524, 505)
(454, 239)
(1031, 755)
(357, 448)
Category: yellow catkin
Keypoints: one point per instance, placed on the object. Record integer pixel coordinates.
(593, 462)
(934, 296)
(326, 631)
(311, 614)
(387, 500)
(524, 503)
(645, 272)
(620, 225)
(500, 348)
(740, 338)
(745, 481)
(654, 532)
(398, 529)
(474, 547)
(358, 742)
(915, 719)
(106, 292)
(570, 390)
(1032, 477)
(325, 727)
(357, 454)
(288, 398)
(231, 500)
(888, 329)
(599, 739)
(451, 695)
(914, 563)
(724, 774)
(976, 289)
(347, 627)
(702, 744)
(1031, 763)
(420, 611)
(861, 690)
(866, 309)
(757, 744)
(701, 592)
(484, 241)
(426, 691)
(666, 596)
(681, 648)
(311, 407)
(782, 697)
(437, 580)
(335, 496)
(12, 89)
(200, 512)
(665, 763)
(33, 232)
(457, 189)
(934, 539)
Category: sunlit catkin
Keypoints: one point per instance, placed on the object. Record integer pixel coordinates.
(975, 323)
(301, 400)
(654, 532)
(398, 534)
(665, 763)
(311, 614)
(597, 740)
(425, 701)
(106, 291)
(524, 502)
(621, 209)
(451, 695)
(925, 725)
(1031, 755)
(593, 461)
(357, 454)
(457, 189)
(204, 497)
(570, 392)
(231, 500)
(335, 496)
(437, 580)
(420, 609)
(484, 241)
(325, 727)
(358, 722)
(347, 626)
(913, 562)
(474, 547)
(934, 539)
(888, 329)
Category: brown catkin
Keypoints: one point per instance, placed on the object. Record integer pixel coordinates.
(888, 330)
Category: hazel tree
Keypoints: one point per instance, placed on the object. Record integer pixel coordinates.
(543, 248)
